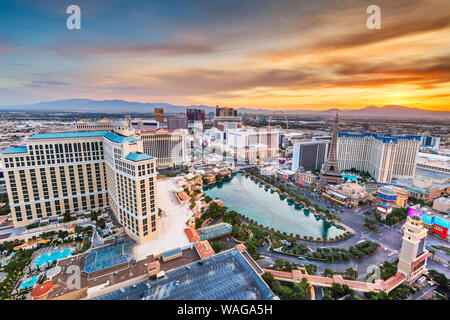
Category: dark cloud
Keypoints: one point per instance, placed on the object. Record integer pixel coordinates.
(178, 49)
(45, 83)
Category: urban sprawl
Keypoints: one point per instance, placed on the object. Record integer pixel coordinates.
(222, 205)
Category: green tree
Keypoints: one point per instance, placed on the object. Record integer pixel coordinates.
(377, 295)
(287, 266)
(327, 273)
(440, 278)
(268, 278)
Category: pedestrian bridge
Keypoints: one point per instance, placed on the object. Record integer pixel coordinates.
(379, 285)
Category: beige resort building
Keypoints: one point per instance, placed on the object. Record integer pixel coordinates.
(59, 172)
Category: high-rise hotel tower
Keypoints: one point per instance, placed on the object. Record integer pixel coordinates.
(383, 156)
(70, 172)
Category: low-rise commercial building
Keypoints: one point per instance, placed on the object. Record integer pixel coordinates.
(435, 222)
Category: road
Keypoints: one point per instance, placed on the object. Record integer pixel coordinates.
(318, 293)
(419, 294)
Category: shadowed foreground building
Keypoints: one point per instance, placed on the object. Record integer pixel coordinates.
(57, 173)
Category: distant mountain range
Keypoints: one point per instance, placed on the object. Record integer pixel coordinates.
(122, 106)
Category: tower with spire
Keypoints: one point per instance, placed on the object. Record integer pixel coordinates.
(330, 172)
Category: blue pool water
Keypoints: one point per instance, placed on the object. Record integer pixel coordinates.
(50, 257)
(349, 177)
(29, 282)
(270, 209)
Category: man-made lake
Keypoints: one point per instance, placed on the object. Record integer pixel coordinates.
(267, 208)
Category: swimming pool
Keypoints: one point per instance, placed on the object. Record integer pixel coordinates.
(29, 282)
(271, 209)
(48, 258)
(349, 177)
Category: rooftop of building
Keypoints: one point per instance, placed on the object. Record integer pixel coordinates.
(192, 235)
(431, 174)
(204, 249)
(114, 274)
(42, 289)
(433, 160)
(253, 130)
(214, 231)
(431, 216)
(443, 200)
(171, 253)
(408, 183)
(68, 135)
(388, 190)
(118, 138)
(71, 135)
(133, 156)
(160, 131)
(225, 276)
(108, 256)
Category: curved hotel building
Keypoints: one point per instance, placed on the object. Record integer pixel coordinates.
(168, 146)
(383, 156)
(71, 172)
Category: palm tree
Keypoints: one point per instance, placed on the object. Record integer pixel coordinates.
(433, 252)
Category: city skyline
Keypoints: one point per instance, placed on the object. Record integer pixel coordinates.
(274, 55)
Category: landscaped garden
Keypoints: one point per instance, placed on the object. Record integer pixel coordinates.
(358, 251)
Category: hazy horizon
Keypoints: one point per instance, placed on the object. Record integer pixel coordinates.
(212, 106)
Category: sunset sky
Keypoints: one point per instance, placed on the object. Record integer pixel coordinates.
(276, 54)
